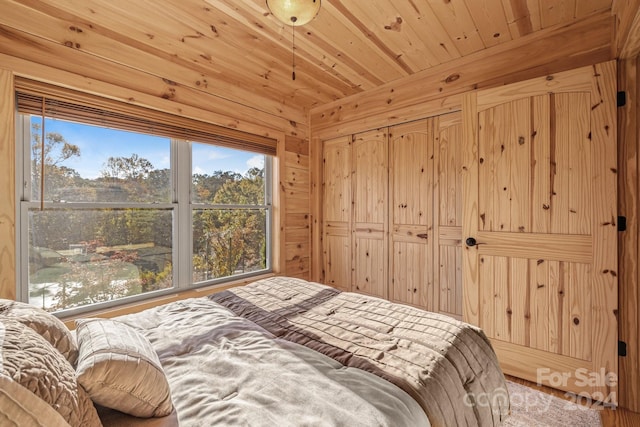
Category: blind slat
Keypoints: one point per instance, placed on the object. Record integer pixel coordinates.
(65, 104)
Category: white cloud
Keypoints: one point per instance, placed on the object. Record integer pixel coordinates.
(256, 161)
(198, 170)
(217, 155)
(165, 161)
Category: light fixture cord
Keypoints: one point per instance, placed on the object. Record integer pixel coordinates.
(293, 50)
(42, 156)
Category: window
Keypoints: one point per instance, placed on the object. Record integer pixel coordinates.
(229, 213)
(107, 212)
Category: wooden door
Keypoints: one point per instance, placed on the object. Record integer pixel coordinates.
(448, 216)
(369, 218)
(540, 201)
(413, 235)
(425, 198)
(337, 213)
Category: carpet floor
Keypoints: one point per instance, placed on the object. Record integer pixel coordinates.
(531, 407)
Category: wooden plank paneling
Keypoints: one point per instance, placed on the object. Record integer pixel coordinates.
(296, 160)
(579, 307)
(40, 51)
(470, 274)
(346, 50)
(581, 298)
(580, 164)
(206, 109)
(604, 293)
(415, 55)
(540, 165)
(502, 149)
(581, 43)
(337, 258)
(7, 188)
(629, 206)
(554, 12)
(337, 179)
(520, 292)
(448, 212)
(501, 297)
(519, 160)
(413, 214)
(523, 16)
(459, 24)
(71, 25)
(369, 215)
(370, 266)
(627, 37)
(539, 308)
(336, 216)
(294, 186)
(316, 202)
(490, 19)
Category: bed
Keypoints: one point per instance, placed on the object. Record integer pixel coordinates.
(288, 352)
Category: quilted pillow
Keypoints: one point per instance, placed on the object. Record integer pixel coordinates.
(32, 362)
(120, 370)
(20, 407)
(44, 323)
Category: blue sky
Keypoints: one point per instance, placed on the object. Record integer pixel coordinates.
(98, 144)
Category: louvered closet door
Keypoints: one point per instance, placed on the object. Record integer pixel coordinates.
(369, 220)
(337, 212)
(540, 202)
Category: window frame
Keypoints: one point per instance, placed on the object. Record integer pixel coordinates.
(180, 205)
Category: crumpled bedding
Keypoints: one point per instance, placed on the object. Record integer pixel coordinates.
(447, 366)
(225, 370)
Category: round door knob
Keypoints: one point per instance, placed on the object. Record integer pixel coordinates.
(470, 241)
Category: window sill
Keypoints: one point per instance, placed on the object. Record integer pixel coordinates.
(153, 302)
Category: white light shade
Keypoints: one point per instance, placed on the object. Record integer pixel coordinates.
(294, 12)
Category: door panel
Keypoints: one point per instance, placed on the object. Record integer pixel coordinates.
(370, 210)
(539, 180)
(337, 246)
(413, 214)
(448, 221)
(337, 257)
(426, 213)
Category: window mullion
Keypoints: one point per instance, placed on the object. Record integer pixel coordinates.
(183, 225)
(268, 188)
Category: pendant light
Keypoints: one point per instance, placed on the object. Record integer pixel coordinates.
(294, 13)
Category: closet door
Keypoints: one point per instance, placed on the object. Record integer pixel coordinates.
(540, 256)
(426, 213)
(413, 236)
(337, 213)
(369, 219)
(448, 217)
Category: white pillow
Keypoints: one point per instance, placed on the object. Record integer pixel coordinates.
(120, 370)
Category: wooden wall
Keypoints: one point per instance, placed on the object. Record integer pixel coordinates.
(439, 90)
(629, 252)
(295, 185)
(7, 188)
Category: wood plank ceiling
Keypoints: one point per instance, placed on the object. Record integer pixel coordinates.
(234, 49)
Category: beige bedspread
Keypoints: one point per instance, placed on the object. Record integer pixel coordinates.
(224, 370)
(447, 366)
